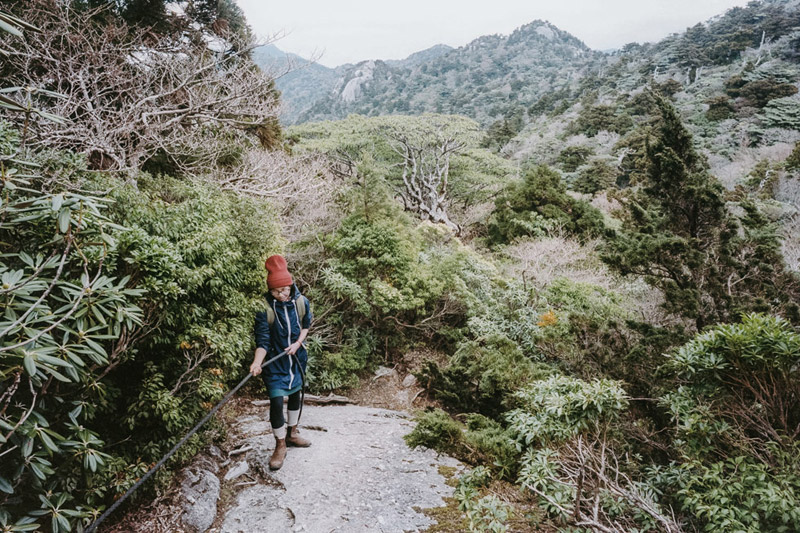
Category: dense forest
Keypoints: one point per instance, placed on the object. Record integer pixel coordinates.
(591, 261)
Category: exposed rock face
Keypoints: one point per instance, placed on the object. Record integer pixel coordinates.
(352, 89)
(358, 475)
(547, 32)
(199, 493)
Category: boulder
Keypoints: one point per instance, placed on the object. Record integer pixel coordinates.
(384, 371)
(200, 492)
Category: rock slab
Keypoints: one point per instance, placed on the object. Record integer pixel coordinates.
(358, 475)
(200, 492)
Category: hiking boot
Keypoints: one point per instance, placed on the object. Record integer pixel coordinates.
(276, 461)
(293, 438)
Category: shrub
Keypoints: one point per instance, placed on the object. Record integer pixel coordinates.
(758, 92)
(65, 315)
(594, 119)
(747, 375)
(736, 423)
(537, 205)
(492, 444)
(573, 157)
(735, 494)
(720, 108)
(597, 176)
(782, 113)
(374, 267)
(481, 375)
(339, 368)
(437, 431)
(560, 407)
(793, 161)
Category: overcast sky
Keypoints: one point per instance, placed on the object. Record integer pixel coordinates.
(348, 31)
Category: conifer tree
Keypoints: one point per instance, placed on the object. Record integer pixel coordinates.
(678, 234)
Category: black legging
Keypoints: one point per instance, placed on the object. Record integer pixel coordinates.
(276, 409)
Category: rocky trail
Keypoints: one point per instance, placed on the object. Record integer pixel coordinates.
(358, 475)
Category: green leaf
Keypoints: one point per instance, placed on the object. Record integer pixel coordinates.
(108, 239)
(9, 28)
(58, 200)
(8, 103)
(63, 219)
(30, 364)
(37, 471)
(25, 527)
(57, 375)
(63, 522)
(5, 486)
(53, 360)
(97, 348)
(48, 442)
(51, 117)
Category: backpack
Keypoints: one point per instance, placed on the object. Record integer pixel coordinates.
(300, 303)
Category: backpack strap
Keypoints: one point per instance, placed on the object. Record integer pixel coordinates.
(300, 303)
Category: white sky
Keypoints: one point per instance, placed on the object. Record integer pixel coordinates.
(348, 31)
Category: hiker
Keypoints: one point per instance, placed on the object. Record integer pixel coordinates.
(282, 326)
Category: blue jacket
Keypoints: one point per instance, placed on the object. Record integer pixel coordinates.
(282, 377)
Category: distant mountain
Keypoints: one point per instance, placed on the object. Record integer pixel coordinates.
(300, 81)
(487, 79)
(734, 80)
(505, 82)
(306, 82)
(417, 58)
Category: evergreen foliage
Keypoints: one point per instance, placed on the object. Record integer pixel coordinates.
(720, 108)
(679, 235)
(758, 92)
(538, 205)
(127, 313)
(481, 376)
(560, 407)
(793, 161)
(594, 119)
(433, 163)
(598, 175)
(735, 412)
(782, 113)
(573, 157)
(64, 311)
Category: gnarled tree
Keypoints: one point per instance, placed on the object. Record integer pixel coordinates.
(426, 147)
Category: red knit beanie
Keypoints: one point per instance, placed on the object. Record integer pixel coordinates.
(277, 272)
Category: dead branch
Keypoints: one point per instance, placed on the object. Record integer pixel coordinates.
(127, 95)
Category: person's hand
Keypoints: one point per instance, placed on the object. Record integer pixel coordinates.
(255, 368)
(292, 349)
